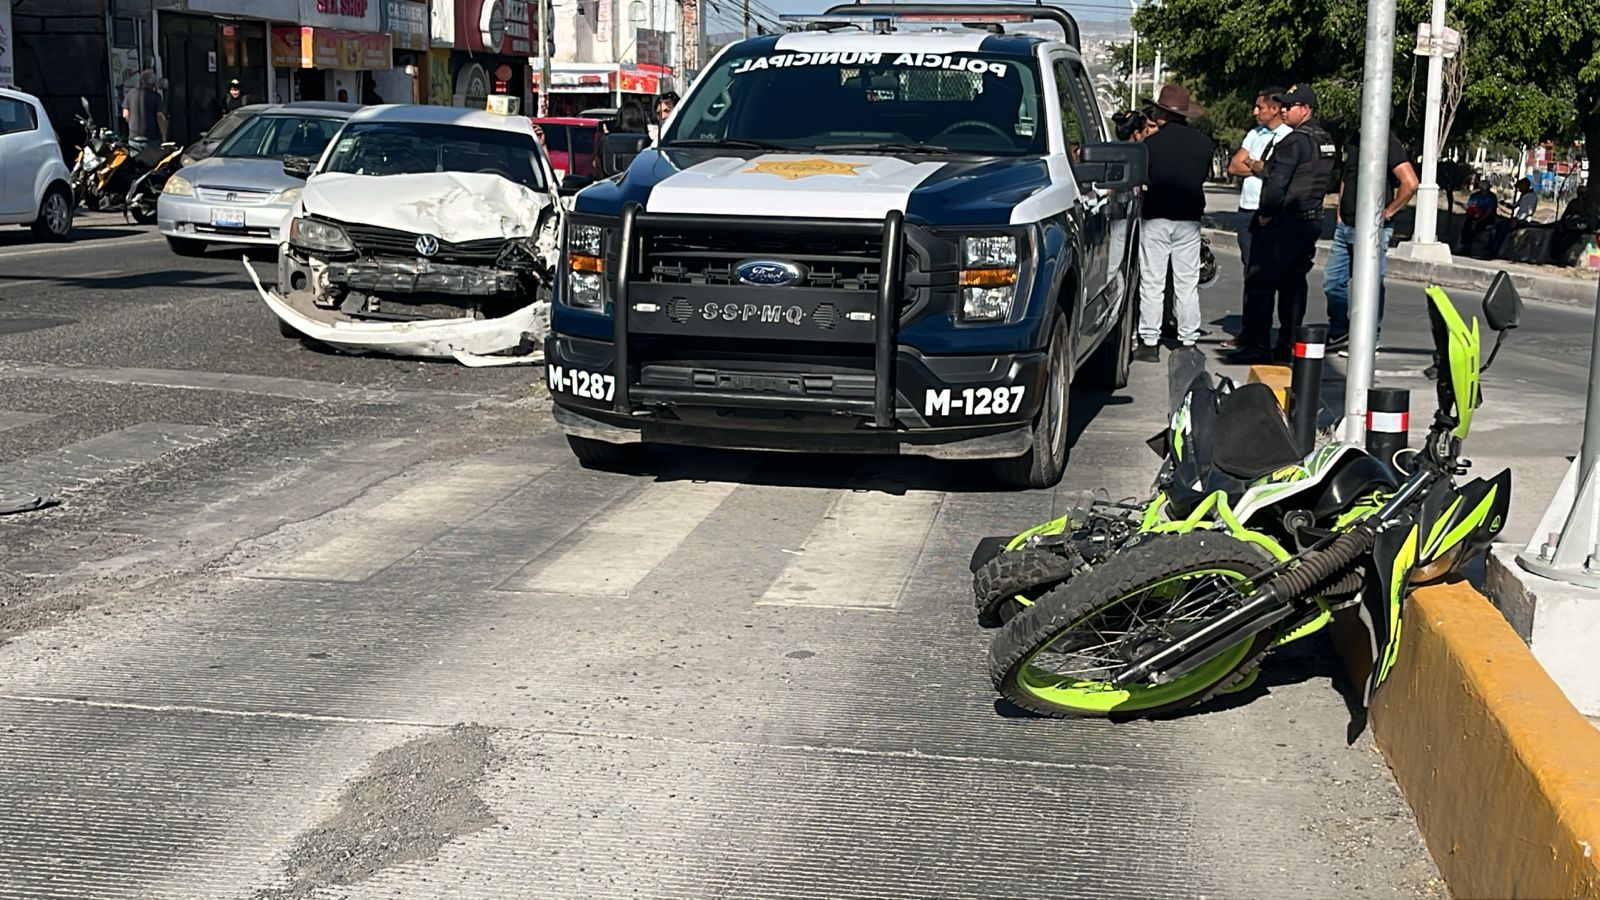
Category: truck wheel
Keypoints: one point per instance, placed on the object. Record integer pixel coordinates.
(1107, 368)
(593, 454)
(1042, 465)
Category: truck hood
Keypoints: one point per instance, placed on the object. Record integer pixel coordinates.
(949, 192)
(454, 206)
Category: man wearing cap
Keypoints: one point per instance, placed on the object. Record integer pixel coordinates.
(1401, 186)
(1180, 160)
(1294, 182)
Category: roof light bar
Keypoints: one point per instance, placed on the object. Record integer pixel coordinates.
(970, 15)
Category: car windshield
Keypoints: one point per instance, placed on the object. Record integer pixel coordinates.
(230, 123)
(957, 102)
(403, 148)
(274, 137)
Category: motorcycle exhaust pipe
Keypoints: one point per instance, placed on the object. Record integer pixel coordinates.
(1305, 384)
(1388, 422)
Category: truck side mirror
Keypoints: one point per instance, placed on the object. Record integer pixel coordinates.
(1118, 166)
(619, 150)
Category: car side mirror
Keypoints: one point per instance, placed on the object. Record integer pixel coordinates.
(619, 150)
(1502, 304)
(297, 167)
(1118, 166)
(574, 183)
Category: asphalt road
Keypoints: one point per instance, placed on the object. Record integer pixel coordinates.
(315, 625)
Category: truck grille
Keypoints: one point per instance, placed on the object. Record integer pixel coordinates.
(839, 262)
(371, 240)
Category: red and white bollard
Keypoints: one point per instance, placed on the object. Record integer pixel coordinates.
(1305, 384)
(1388, 422)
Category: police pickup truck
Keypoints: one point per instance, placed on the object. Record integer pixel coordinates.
(874, 235)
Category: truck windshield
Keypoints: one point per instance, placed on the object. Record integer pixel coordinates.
(961, 102)
(407, 148)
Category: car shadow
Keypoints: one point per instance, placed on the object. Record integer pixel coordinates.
(22, 237)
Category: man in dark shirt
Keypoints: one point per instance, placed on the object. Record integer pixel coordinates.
(141, 106)
(1180, 160)
(1402, 184)
(1294, 182)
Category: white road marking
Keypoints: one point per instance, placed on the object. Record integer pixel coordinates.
(860, 555)
(10, 419)
(622, 547)
(69, 247)
(99, 457)
(382, 535)
(267, 385)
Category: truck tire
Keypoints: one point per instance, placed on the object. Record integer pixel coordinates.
(1107, 369)
(593, 454)
(1046, 459)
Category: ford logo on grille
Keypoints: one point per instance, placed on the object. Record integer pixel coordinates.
(768, 272)
(427, 245)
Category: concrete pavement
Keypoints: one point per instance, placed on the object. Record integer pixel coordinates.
(311, 625)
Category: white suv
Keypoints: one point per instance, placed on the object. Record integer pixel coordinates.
(34, 185)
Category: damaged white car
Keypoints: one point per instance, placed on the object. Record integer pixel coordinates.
(425, 231)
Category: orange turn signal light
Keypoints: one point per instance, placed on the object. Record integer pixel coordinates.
(988, 277)
(581, 263)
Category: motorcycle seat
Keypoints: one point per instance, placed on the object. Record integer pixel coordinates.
(1251, 437)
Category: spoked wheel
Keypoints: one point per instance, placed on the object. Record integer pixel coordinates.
(1012, 581)
(1056, 657)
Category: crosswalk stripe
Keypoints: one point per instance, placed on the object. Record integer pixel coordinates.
(100, 457)
(620, 548)
(860, 555)
(382, 535)
(10, 419)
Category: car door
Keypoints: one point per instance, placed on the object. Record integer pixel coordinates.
(1091, 214)
(1121, 209)
(17, 165)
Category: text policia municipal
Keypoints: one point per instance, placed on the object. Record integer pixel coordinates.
(868, 58)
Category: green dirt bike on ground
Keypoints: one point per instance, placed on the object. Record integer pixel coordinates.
(1187, 607)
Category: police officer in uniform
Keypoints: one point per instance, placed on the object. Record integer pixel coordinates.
(1295, 179)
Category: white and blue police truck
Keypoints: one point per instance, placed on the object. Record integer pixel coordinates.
(899, 230)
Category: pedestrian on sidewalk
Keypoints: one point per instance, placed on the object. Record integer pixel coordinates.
(1288, 223)
(1401, 187)
(147, 118)
(1482, 210)
(1522, 210)
(1174, 202)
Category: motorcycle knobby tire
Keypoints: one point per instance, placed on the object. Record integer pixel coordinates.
(1028, 571)
(1152, 561)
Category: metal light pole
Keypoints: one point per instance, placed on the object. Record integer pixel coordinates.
(1133, 64)
(1565, 545)
(1155, 77)
(1425, 240)
(544, 57)
(1376, 96)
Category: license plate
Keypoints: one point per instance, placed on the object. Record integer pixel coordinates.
(227, 218)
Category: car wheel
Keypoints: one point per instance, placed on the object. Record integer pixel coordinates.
(55, 215)
(1046, 459)
(186, 246)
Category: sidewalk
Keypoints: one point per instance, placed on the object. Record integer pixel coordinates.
(1548, 284)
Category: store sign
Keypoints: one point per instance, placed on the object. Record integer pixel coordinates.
(355, 15)
(407, 22)
(8, 73)
(636, 83)
(331, 48)
(576, 82)
(442, 25)
(472, 87)
(495, 26)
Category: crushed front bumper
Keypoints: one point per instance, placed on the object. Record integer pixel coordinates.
(512, 339)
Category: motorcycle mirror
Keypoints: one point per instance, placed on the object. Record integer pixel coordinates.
(1502, 305)
(85, 102)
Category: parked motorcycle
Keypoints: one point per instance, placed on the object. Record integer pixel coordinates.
(106, 168)
(1187, 610)
(140, 203)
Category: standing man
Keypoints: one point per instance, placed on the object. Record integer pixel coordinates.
(1250, 159)
(1180, 160)
(1401, 186)
(1295, 180)
(141, 106)
(236, 97)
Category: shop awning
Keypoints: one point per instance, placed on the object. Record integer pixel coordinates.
(309, 47)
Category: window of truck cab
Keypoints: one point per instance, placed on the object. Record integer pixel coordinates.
(978, 103)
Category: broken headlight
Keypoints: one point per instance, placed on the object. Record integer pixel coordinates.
(323, 237)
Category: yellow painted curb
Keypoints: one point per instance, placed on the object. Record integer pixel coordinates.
(1501, 770)
(1275, 377)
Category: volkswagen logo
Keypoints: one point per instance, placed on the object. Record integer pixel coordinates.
(427, 245)
(768, 272)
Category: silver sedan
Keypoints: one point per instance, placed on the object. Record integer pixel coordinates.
(242, 194)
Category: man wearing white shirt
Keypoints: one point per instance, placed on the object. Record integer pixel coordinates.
(1249, 159)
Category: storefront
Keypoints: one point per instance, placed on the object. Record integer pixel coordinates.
(335, 51)
(575, 87)
(199, 56)
(492, 41)
(406, 21)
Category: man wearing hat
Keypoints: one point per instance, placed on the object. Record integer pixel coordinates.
(1295, 180)
(235, 97)
(1180, 160)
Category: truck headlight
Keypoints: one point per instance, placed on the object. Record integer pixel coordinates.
(585, 240)
(323, 237)
(988, 277)
(179, 186)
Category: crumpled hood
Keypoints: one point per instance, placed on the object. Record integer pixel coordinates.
(453, 206)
